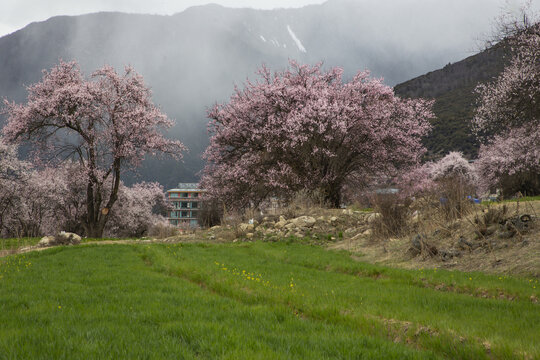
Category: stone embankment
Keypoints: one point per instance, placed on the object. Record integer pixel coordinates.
(347, 223)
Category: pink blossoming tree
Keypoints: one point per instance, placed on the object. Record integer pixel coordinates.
(46, 201)
(435, 176)
(508, 119)
(106, 123)
(139, 207)
(13, 176)
(304, 128)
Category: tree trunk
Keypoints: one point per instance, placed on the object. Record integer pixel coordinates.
(96, 223)
(332, 195)
(94, 231)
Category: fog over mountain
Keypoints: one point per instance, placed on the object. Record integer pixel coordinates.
(193, 59)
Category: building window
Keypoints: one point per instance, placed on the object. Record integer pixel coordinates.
(173, 195)
(184, 205)
(195, 195)
(184, 195)
(194, 205)
(184, 214)
(193, 214)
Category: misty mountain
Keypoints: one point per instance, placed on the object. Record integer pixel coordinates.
(453, 89)
(193, 59)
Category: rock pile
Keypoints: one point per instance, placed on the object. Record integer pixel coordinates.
(62, 238)
(349, 223)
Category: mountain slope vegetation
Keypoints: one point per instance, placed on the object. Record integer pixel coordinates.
(452, 88)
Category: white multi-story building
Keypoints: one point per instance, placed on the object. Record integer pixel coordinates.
(185, 202)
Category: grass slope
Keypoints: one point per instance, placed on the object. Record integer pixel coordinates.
(254, 301)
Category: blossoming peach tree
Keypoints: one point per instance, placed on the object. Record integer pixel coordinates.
(306, 129)
(435, 177)
(14, 174)
(507, 121)
(107, 123)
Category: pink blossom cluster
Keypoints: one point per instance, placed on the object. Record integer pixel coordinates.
(304, 128)
(425, 178)
(514, 153)
(138, 208)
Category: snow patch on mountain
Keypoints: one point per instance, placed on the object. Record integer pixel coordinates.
(296, 40)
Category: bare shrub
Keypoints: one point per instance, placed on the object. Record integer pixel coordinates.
(394, 215)
(453, 201)
(492, 216)
(162, 230)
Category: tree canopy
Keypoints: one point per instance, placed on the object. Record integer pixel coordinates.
(306, 129)
(106, 123)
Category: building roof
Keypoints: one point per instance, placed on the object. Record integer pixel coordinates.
(187, 187)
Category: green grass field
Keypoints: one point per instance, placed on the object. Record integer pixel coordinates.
(17, 243)
(255, 301)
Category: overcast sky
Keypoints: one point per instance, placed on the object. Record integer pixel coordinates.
(16, 14)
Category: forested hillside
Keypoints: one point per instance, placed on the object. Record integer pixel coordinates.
(452, 87)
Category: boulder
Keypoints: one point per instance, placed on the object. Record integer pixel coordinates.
(463, 244)
(420, 245)
(521, 223)
(250, 235)
(67, 238)
(46, 241)
(63, 238)
(246, 227)
(281, 223)
(449, 254)
(304, 221)
(372, 217)
(290, 226)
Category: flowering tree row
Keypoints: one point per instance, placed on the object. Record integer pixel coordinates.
(38, 202)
